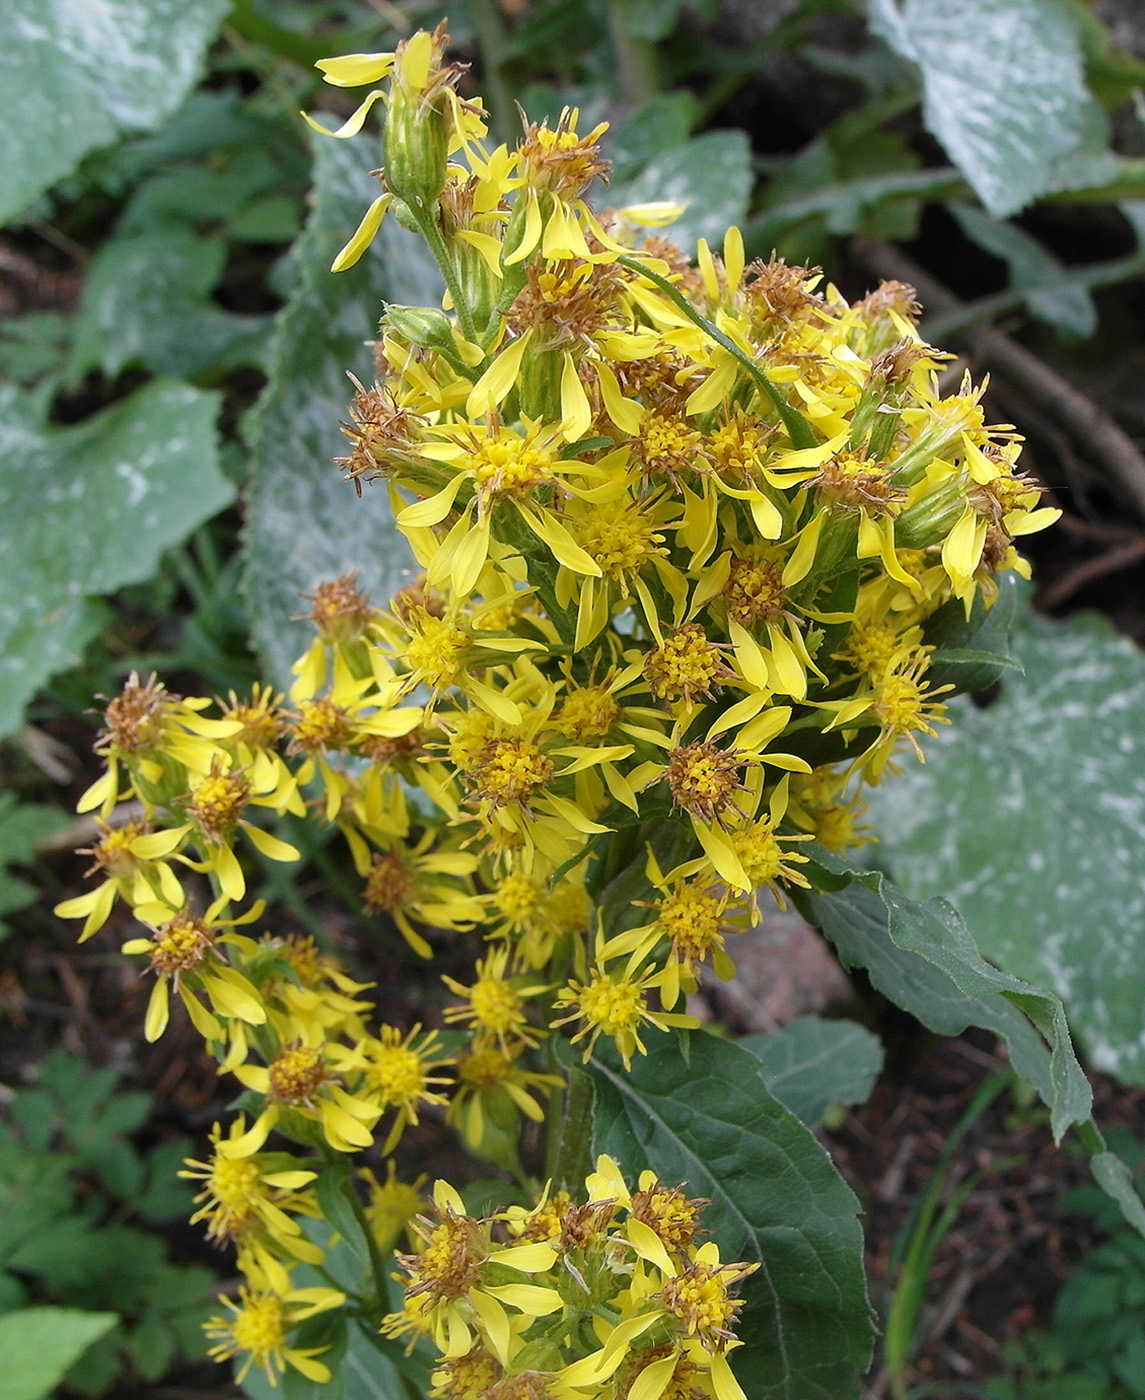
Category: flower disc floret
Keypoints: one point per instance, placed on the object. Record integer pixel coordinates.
(113, 852)
(763, 857)
(435, 652)
(494, 1004)
(619, 537)
(693, 919)
(850, 481)
(671, 1214)
(686, 665)
(510, 770)
(320, 726)
(587, 712)
(450, 1264)
(467, 1377)
(340, 610)
(754, 592)
(556, 160)
(133, 719)
(216, 804)
(703, 780)
(510, 467)
(180, 945)
(668, 445)
(297, 1073)
(872, 647)
(699, 1297)
(261, 717)
(391, 884)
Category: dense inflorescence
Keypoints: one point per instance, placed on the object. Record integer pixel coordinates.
(680, 530)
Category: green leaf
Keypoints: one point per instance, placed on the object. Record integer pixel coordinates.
(1116, 1180)
(22, 824)
(33, 345)
(971, 653)
(921, 956)
(1003, 88)
(304, 523)
(812, 1064)
(775, 1197)
(146, 302)
(846, 203)
(40, 1344)
(151, 1346)
(76, 76)
(1030, 814)
(331, 1189)
(373, 1367)
(711, 175)
(663, 121)
(1049, 293)
(90, 508)
(649, 19)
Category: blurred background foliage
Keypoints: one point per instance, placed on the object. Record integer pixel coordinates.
(172, 368)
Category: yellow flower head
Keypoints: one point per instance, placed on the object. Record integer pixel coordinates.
(259, 1326)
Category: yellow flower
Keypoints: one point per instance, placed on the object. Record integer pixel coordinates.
(158, 737)
(497, 468)
(302, 1082)
(698, 1296)
(396, 1072)
(252, 1200)
(424, 885)
(131, 857)
(186, 953)
(392, 1205)
(448, 1272)
(616, 1005)
(489, 1079)
(620, 1301)
(495, 1004)
(259, 1325)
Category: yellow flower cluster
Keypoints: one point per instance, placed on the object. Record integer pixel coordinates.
(680, 525)
(611, 1297)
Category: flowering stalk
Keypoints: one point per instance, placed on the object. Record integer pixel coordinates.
(681, 528)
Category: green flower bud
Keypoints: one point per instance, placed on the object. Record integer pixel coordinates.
(416, 146)
(423, 326)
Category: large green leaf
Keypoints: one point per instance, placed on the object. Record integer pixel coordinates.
(1003, 88)
(304, 523)
(147, 302)
(812, 1064)
(87, 509)
(1049, 292)
(1030, 814)
(921, 956)
(710, 175)
(707, 1118)
(39, 1344)
(76, 75)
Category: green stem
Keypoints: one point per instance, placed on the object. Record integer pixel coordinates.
(635, 57)
(798, 429)
(925, 1237)
(572, 1160)
(427, 223)
(377, 1258)
(491, 38)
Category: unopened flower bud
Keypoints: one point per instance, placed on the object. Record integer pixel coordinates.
(417, 138)
(423, 326)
